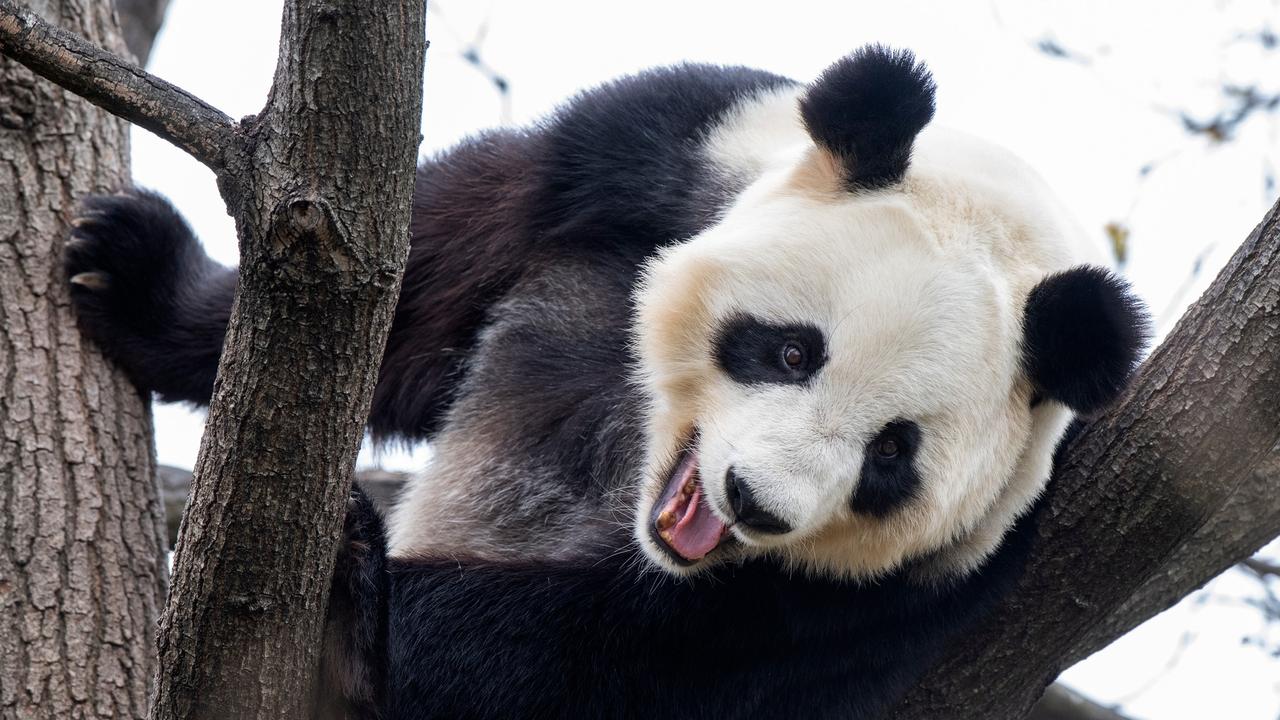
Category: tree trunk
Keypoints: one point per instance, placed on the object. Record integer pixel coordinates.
(82, 571)
(320, 185)
(1249, 519)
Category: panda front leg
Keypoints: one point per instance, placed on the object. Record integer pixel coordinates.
(145, 291)
(147, 294)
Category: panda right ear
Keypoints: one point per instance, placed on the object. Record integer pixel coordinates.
(1083, 332)
(866, 110)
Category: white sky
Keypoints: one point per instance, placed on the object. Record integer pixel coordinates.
(1088, 126)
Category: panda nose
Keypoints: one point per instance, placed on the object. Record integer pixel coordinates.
(748, 512)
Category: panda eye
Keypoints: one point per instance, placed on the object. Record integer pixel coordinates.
(887, 448)
(890, 476)
(894, 441)
(752, 350)
(793, 356)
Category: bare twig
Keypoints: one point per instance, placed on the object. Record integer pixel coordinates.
(116, 85)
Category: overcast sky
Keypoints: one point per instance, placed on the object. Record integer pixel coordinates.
(1090, 93)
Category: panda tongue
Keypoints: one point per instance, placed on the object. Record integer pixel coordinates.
(697, 530)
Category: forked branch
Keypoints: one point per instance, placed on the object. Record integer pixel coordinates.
(116, 85)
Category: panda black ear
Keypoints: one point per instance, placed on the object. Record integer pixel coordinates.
(866, 110)
(1083, 333)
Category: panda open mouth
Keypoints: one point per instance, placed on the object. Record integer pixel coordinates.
(683, 523)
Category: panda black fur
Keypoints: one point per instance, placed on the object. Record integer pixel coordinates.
(517, 579)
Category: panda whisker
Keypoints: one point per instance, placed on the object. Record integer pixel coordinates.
(838, 323)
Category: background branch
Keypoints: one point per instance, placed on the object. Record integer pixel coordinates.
(116, 85)
(140, 20)
(1261, 568)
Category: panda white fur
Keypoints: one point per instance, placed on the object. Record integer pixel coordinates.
(739, 392)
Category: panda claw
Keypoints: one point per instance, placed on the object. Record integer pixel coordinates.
(91, 280)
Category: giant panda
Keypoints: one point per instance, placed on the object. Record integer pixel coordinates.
(741, 393)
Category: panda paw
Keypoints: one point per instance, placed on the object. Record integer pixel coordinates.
(147, 294)
(128, 256)
(362, 552)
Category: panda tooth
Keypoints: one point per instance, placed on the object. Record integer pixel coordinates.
(666, 519)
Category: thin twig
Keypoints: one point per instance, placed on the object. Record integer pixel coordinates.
(116, 85)
(1261, 568)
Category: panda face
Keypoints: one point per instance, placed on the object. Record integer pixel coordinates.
(860, 365)
(830, 381)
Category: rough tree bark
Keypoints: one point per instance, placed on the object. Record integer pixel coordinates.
(82, 572)
(319, 184)
(1249, 519)
(1149, 485)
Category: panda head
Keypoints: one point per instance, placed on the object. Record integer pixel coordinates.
(860, 365)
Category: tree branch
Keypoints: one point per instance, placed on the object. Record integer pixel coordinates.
(116, 85)
(1147, 479)
(1249, 519)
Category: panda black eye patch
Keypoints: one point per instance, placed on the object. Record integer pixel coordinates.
(753, 351)
(889, 476)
